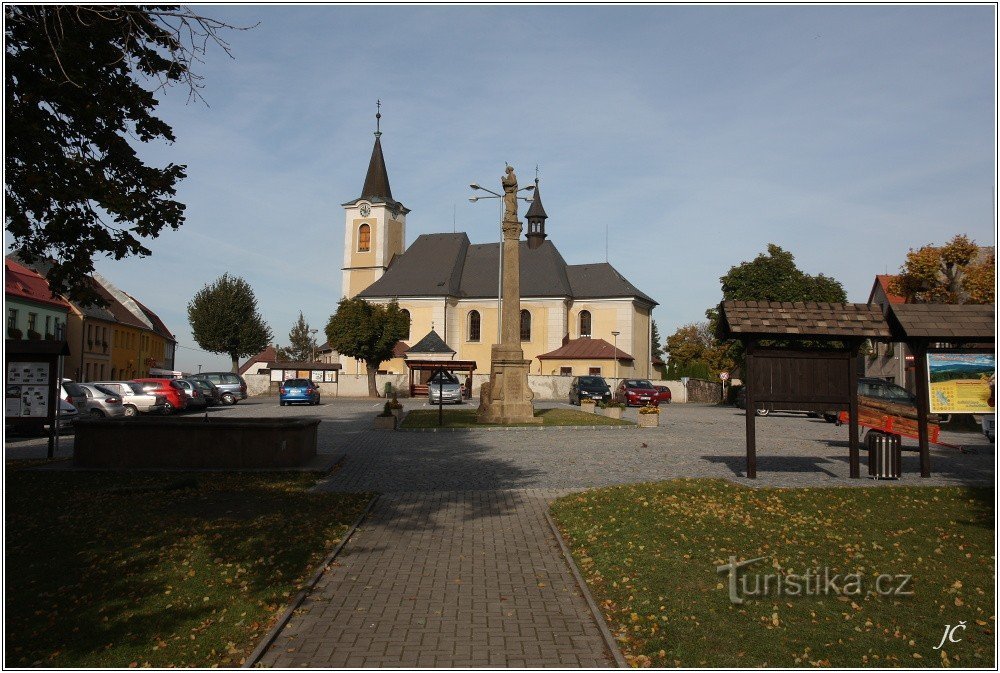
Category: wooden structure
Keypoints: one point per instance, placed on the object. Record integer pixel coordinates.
(431, 366)
(801, 356)
(32, 385)
(939, 327)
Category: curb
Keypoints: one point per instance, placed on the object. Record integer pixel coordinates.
(525, 428)
(272, 635)
(609, 639)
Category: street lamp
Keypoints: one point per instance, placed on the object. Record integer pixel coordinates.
(615, 335)
(199, 369)
(473, 199)
(312, 342)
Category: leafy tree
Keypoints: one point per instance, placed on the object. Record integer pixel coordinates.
(80, 91)
(694, 351)
(367, 332)
(302, 346)
(655, 350)
(959, 272)
(224, 319)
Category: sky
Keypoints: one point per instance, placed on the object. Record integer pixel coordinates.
(694, 136)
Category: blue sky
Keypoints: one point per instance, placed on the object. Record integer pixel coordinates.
(697, 135)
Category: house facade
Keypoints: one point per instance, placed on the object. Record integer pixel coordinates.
(888, 361)
(32, 312)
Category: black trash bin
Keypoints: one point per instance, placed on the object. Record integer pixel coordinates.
(885, 459)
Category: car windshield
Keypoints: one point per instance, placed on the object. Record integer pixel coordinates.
(297, 383)
(896, 393)
(72, 389)
(592, 381)
(135, 388)
(638, 383)
(443, 377)
(106, 390)
(205, 385)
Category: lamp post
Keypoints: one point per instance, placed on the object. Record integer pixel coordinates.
(615, 354)
(473, 199)
(312, 342)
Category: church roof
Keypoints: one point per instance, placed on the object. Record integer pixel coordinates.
(448, 265)
(536, 210)
(377, 179)
(432, 343)
(586, 348)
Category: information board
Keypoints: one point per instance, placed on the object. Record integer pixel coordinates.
(960, 382)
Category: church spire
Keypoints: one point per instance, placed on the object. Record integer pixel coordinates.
(536, 219)
(377, 180)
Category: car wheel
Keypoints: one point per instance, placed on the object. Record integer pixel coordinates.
(229, 398)
(281, 403)
(763, 412)
(830, 418)
(96, 413)
(130, 410)
(168, 408)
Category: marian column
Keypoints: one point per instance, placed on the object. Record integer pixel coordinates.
(507, 397)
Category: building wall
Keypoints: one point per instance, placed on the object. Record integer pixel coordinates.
(625, 369)
(125, 360)
(388, 238)
(88, 361)
(24, 309)
(889, 362)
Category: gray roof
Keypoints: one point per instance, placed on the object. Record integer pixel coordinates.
(536, 210)
(439, 265)
(432, 343)
(943, 322)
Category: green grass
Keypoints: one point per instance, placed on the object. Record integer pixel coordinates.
(649, 553)
(117, 570)
(466, 418)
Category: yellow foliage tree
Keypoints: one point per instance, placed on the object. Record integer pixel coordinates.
(959, 272)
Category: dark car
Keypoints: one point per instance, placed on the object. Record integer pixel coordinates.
(209, 390)
(637, 393)
(232, 387)
(879, 389)
(298, 390)
(196, 399)
(741, 402)
(589, 388)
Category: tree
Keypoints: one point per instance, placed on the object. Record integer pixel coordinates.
(694, 351)
(224, 319)
(655, 350)
(367, 332)
(302, 345)
(79, 93)
(959, 272)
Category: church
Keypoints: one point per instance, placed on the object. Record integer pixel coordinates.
(576, 319)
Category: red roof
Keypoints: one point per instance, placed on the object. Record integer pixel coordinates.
(266, 356)
(24, 283)
(586, 349)
(883, 280)
(399, 350)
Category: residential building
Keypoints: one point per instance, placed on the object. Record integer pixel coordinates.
(32, 311)
(889, 361)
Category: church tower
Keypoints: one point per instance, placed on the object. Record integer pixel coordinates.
(375, 225)
(536, 219)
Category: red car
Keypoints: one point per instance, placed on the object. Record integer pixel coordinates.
(177, 399)
(663, 394)
(637, 393)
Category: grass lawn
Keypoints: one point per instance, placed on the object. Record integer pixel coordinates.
(649, 553)
(466, 418)
(117, 570)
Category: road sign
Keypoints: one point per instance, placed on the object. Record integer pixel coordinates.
(724, 376)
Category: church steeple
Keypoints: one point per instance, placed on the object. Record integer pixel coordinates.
(536, 219)
(377, 180)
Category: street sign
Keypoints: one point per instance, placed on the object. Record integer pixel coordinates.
(724, 376)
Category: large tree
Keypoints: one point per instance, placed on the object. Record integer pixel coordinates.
(81, 85)
(224, 319)
(302, 345)
(655, 349)
(959, 272)
(694, 351)
(367, 332)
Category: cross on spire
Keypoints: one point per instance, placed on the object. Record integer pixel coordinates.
(378, 117)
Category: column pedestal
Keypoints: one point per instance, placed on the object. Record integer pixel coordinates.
(506, 398)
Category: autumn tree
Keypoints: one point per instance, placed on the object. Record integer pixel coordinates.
(694, 351)
(302, 344)
(368, 332)
(81, 85)
(959, 272)
(224, 319)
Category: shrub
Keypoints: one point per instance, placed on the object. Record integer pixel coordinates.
(649, 409)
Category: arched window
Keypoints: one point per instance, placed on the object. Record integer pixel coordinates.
(585, 324)
(364, 238)
(407, 315)
(474, 325)
(525, 325)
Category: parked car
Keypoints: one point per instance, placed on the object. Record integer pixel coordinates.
(196, 399)
(663, 395)
(135, 398)
(741, 402)
(298, 390)
(232, 387)
(74, 395)
(637, 392)
(589, 388)
(67, 414)
(176, 398)
(102, 402)
(882, 390)
(212, 394)
(444, 386)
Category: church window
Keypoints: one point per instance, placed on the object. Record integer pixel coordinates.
(525, 325)
(594, 371)
(406, 314)
(565, 371)
(474, 325)
(364, 238)
(585, 324)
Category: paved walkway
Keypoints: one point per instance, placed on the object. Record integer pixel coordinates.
(446, 579)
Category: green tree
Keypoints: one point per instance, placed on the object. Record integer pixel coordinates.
(367, 332)
(224, 319)
(80, 92)
(959, 272)
(655, 349)
(302, 345)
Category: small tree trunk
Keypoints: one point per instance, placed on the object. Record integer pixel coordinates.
(372, 369)
(236, 364)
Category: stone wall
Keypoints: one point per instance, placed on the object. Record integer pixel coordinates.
(699, 390)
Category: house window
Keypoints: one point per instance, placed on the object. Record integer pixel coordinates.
(32, 321)
(406, 314)
(87, 377)
(474, 325)
(48, 325)
(565, 371)
(525, 325)
(11, 318)
(112, 373)
(364, 238)
(594, 371)
(585, 324)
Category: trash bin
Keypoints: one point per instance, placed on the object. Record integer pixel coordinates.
(885, 460)
(388, 388)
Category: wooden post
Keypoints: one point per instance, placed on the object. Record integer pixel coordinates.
(923, 403)
(751, 414)
(852, 378)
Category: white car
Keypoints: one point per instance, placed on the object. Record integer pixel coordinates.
(135, 398)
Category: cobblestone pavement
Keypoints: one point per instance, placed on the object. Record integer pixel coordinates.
(446, 579)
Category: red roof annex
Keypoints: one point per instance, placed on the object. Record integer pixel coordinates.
(23, 283)
(883, 280)
(585, 348)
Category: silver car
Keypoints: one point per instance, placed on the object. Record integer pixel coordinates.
(102, 402)
(445, 387)
(196, 398)
(135, 398)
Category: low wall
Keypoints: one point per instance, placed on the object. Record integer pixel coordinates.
(699, 390)
(175, 442)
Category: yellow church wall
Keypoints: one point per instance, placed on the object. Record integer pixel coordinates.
(394, 239)
(640, 341)
(359, 279)
(603, 320)
(582, 368)
(358, 257)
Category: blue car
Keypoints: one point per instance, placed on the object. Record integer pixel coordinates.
(298, 390)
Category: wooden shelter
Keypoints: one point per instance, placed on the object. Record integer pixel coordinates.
(942, 328)
(801, 356)
(431, 366)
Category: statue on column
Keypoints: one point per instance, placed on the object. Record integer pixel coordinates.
(509, 182)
